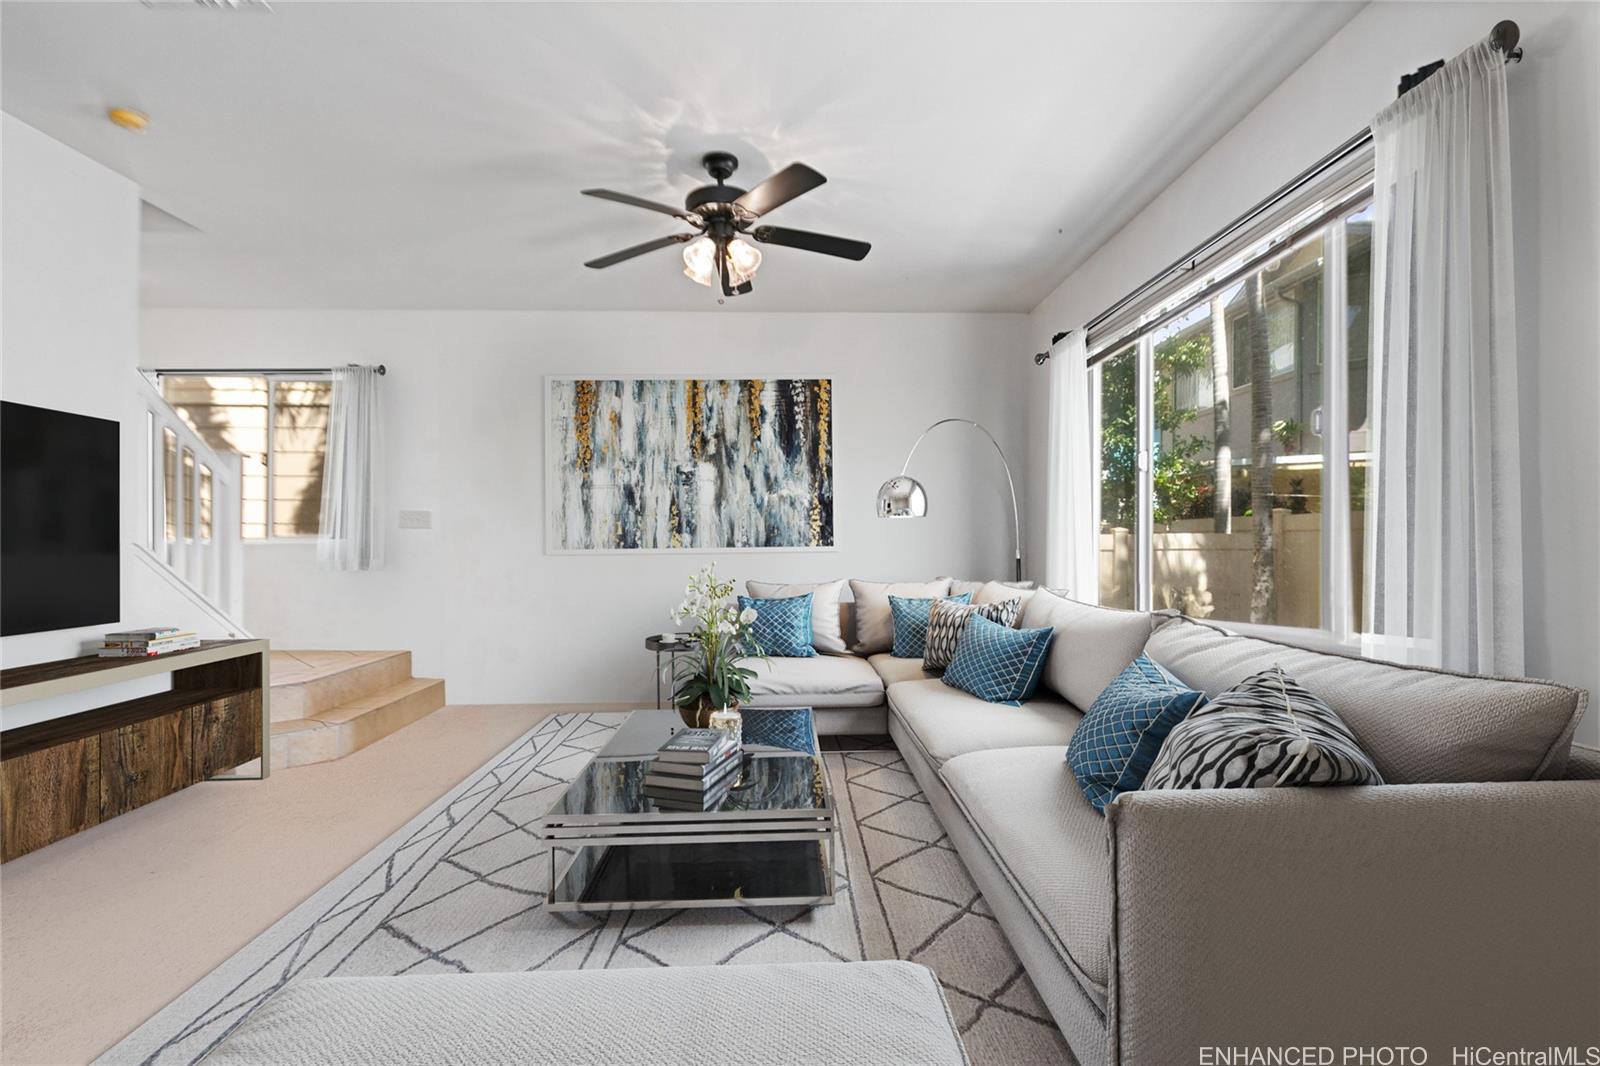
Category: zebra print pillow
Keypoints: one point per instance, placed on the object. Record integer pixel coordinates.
(948, 620)
(1265, 732)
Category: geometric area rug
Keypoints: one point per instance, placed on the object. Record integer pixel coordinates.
(460, 889)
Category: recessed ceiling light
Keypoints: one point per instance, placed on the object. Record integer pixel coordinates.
(128, 118)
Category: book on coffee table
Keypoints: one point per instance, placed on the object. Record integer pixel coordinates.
(672, 799)
(696, 746)
(684, 784)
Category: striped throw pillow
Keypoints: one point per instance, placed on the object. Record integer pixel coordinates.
(948, 621)
(1265, 732)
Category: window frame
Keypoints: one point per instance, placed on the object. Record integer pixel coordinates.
(271, 379)
(1292, 229)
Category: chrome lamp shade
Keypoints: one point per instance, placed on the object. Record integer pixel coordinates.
(902, 497)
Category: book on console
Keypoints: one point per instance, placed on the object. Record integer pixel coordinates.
(696, 746)
(153, 633)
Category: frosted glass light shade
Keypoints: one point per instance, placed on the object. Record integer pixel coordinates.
(700, 261)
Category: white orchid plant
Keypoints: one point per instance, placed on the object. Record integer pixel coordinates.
(712, 676)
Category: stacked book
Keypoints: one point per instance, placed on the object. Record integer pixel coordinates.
(693, 771)
(143, 643)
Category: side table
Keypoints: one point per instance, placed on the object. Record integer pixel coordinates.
(672, 648)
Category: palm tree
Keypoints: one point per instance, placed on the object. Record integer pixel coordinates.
(1222, 419)
(1263, 590)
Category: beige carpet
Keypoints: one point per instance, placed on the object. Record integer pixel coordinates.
(101, 930)
(461, 889)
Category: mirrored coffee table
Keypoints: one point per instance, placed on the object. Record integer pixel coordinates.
(769, 843)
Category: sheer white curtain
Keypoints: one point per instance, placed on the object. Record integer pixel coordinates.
(1070, 561)
(351, 537)
(1443, 539)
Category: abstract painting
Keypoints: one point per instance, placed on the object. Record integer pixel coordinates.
(689, 464)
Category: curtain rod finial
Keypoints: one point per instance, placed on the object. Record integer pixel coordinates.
(1505, 36)
(1040, 358)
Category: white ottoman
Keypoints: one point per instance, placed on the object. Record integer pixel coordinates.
(838, 1014)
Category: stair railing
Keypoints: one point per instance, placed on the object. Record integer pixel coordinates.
(192, 505)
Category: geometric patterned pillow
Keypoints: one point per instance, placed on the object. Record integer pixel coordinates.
(1117, 741)
(997, 663)
(782, 628)
(911, 622)
(947, 621)
(1265, 732)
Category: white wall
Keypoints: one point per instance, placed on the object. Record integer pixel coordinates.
(477, 601)
(1555, 98)
(69, 311)
(69, 339)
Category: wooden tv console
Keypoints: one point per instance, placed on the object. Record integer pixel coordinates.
(63, 775)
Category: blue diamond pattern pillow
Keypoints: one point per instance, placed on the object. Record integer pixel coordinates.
(1117, 741)
(911, 623)
(782, 628)
(998, 663)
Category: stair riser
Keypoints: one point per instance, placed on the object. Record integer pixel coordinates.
(337, 740)
(306, 699)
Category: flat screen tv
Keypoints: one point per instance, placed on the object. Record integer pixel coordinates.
(60, 528)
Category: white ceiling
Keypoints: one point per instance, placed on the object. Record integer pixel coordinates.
(429, 155)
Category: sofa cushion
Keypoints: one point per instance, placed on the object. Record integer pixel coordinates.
(910, 617)
(874, 623)
(827, 627)
(1092, 644)
(1049, 842)
(948, 620)
(1419, 725)
(997, 663)
(1123, 729)
(1267, 731)
(780, 627)
(947, 722)
(893, 670)
(825, 681)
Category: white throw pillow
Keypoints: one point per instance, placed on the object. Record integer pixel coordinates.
(827, 636)
(1092, 645)
(1000, 592)
(958, 586)
(874, 620)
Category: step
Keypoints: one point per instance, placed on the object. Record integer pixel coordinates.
(306, 683)
(351, 726)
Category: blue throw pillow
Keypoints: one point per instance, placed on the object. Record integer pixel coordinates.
(782, 627)
(911, 623)
(1117, 741)
(998, 663)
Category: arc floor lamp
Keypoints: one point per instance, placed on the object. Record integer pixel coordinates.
(903, 496)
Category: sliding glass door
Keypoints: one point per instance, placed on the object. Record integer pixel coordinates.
(1232, 440)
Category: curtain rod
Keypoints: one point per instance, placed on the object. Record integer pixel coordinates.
(241, 372)
(1503, 37)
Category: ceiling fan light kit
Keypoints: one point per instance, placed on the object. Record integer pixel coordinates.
(722, 215)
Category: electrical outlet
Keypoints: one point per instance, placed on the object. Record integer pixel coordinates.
(416, 519)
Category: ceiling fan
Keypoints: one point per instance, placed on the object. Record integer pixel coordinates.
(722, 216)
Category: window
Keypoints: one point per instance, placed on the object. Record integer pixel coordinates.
(1222, 491)
(279, 427)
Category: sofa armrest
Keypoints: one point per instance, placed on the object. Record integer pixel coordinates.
(1431, 915)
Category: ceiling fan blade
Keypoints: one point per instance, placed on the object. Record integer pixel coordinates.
(807, 241)
(648, 205)
(639, 249)
(793, 180)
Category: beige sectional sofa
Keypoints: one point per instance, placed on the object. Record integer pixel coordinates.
(1457, 905)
